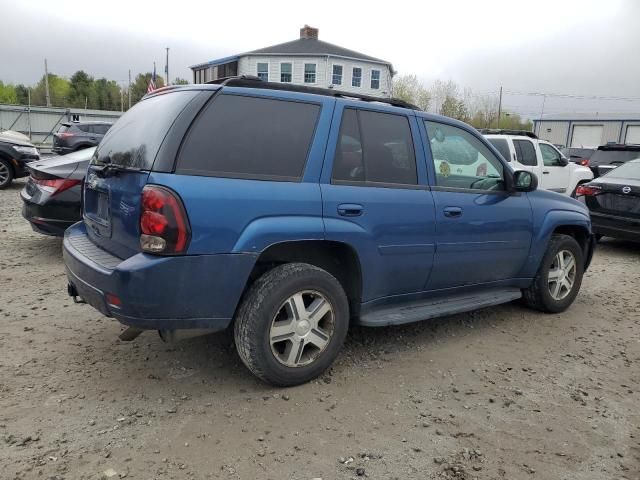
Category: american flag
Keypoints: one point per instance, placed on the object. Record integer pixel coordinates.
(152, 80)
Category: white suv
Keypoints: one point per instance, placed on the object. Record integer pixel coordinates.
(526, 152)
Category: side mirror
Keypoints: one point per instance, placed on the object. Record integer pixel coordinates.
(564, 161)
(525, 181)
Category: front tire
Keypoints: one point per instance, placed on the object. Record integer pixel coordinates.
(291, 324)
(559, 276)
(6, 173)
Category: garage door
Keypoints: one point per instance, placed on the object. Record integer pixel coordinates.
(587, 136)
(633, 134)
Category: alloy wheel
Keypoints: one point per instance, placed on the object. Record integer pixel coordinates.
(4, 173)
(302, 328)
(562, 275)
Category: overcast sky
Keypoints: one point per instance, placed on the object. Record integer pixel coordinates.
(559, 46)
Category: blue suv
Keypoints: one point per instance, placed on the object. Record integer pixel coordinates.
(288, 212)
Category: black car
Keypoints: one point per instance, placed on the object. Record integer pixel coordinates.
(15, 153)
(607, 157)
(71, 137)
(580, 156)
(52, 194)
(614, 202)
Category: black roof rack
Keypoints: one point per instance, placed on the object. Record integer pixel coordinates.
(506, 131)
(620, 146)
(251, 81)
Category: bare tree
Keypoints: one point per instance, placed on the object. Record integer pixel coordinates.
(410, 89)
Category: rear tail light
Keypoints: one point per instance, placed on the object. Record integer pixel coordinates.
(588, 191)
(164, 225)
(64, 135)
(55, 185)
(584, 162)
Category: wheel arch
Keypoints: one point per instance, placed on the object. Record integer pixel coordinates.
(339, 259)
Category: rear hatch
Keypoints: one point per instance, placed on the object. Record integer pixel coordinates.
(120, 167)
(59, 138)
(608, 157)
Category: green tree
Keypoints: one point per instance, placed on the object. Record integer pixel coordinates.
(22, 94)
(454, 108)
(411, 90)
(139, 87)
(82, 91)
(59, 89)
(8, 93)
(107, 94)
(180, 81)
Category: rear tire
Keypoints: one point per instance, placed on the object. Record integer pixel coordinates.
(6, 173)
(291, 324)
(559, 276)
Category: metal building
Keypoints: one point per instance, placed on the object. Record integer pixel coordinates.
(588, 130)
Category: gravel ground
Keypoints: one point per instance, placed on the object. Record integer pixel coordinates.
(499, 393)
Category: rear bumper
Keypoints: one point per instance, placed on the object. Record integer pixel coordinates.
(48, 219)
(617, 227)
(199, 291)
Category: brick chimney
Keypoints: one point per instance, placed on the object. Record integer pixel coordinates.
(309, 32)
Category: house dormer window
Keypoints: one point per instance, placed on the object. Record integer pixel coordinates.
(375, 79)
(336, 78)
(356, 77)
(309, 73)
(285, 72)
(263, 71)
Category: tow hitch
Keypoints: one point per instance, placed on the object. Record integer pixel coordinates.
(71, 290)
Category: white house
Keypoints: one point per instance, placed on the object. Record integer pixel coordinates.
(305, 61)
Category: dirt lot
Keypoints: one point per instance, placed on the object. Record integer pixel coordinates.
(499, 393)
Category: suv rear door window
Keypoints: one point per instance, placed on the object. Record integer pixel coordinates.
(250, 137)
(525, 152)
(375, 148)
(502, 146)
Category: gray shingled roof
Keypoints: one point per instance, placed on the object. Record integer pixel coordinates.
(312, 46)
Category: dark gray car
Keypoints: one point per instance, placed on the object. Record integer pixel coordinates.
(73, 136)
(52, 194)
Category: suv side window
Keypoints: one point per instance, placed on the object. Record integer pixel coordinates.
(461, 160)
(250, 137)
(550, 155)
(525, 152)
(376, 148)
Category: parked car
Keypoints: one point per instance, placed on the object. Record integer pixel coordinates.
(74, 136)
(286, 212)
(610, 156)
(15, 153)
(614, 202)
(580, 156)
(526, 152)
(52, 196)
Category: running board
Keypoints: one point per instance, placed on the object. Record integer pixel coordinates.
(438, 307)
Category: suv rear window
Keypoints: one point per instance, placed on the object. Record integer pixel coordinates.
(525, 152)
(502, 146)
(250, 137)
(134, 140)
(613, 156)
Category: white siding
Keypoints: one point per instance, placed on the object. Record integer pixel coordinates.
(554, 132)
(248, 65)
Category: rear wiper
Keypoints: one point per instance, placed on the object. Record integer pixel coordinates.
(112, 168)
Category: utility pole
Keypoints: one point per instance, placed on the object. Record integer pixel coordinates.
(500, 106)
(166, 68)
(129, 89)
(122, 100)
(544, 100)
(46, 84)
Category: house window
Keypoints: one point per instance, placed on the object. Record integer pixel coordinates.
(309, 73)
(375, 79)
(285, 72)
(356, 77)
(336, 78)
(263, 71)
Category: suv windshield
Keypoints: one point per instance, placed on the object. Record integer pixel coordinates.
(134, 140)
